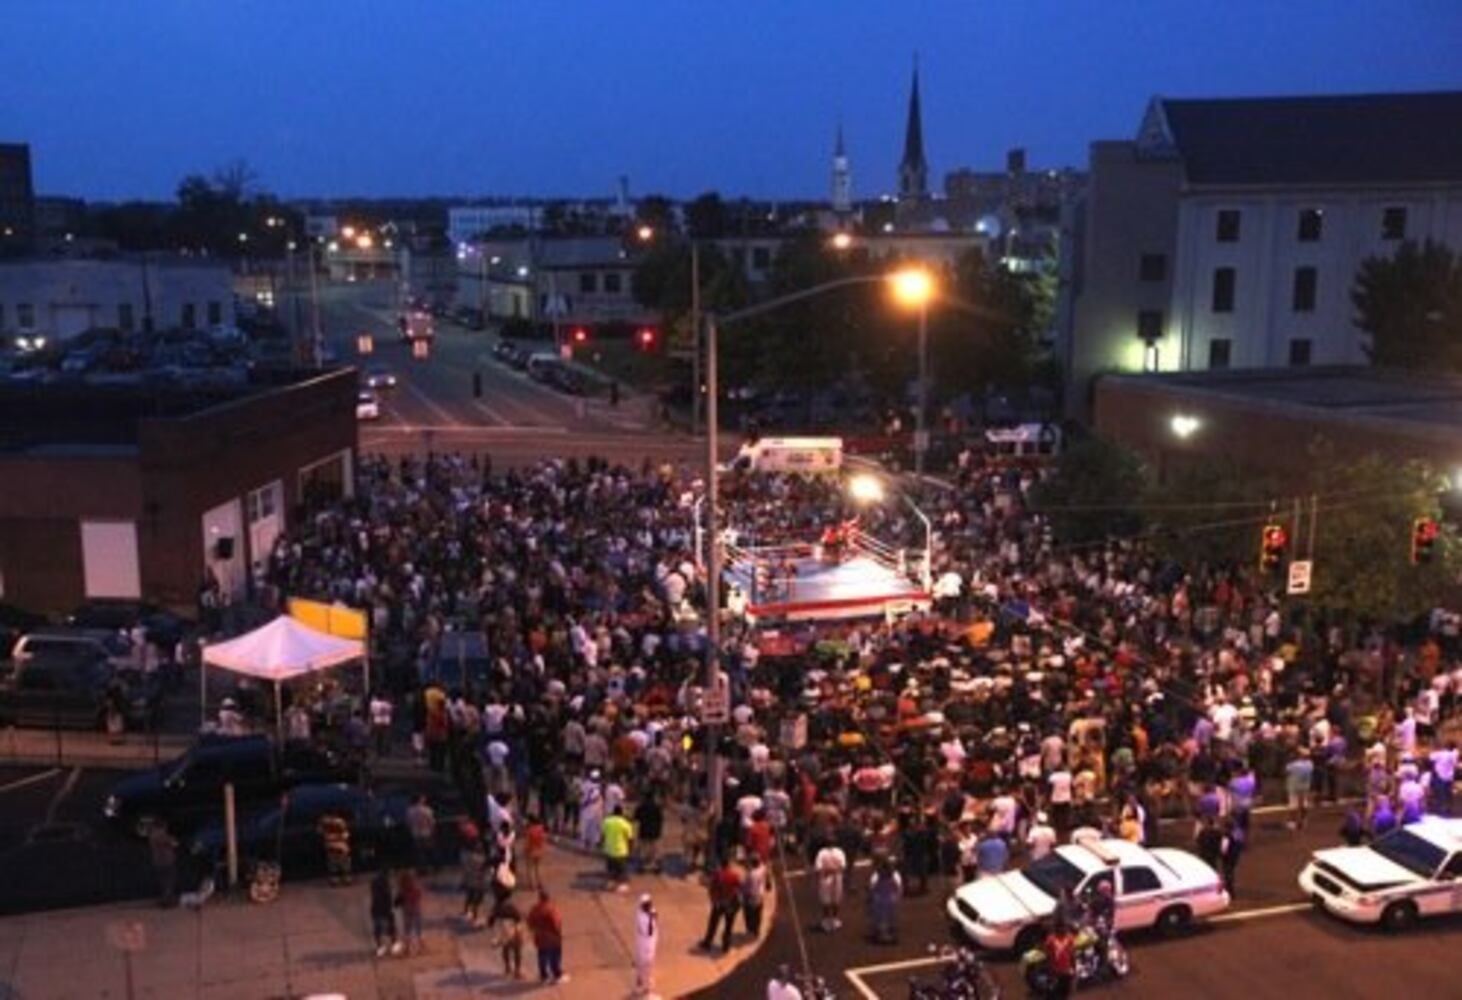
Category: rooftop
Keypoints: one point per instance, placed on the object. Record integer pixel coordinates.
(1350, 390)
(1346, 139)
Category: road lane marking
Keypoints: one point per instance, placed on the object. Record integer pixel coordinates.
(437, 410)
(1267, 911)
(32, 779)
(62, 795)
(494, 415)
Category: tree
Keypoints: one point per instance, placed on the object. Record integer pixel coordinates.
(988, 336)
(1208, 512)
(1094, 492)
(655, 211)
(1363, 537)
(1411, 305)
(705, 217)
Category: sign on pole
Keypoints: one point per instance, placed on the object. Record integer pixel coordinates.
(1299, 576)
(716, 705)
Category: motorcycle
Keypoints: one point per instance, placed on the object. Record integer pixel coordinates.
(1098, 955)
(964, 978)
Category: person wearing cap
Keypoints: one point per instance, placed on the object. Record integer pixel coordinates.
(647, 941)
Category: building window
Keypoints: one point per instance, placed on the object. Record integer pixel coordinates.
(613, 283)
(1299, 352)
(1223, 289)
(761, 258)
(25, 316)
(215, 314)
(190, 316)
(1218, 353)
(1304, 289)
(588, 283)
(1393, 223)
(1311, 224)
(125, 318)
(1228, 226)
(1152, 267)
(1149, 325)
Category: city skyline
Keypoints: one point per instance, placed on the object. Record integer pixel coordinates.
(469, 100)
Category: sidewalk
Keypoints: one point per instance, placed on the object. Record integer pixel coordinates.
(315, 940)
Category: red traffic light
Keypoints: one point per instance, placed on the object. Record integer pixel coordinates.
(646, 337)
(580, 335)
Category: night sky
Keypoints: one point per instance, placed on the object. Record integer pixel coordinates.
(120, 98)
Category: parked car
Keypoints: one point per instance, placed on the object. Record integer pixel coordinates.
(15, 622)
(380, 378)
(1161, 887)
(1411, 872)
(367, 405)
(540, 365)
(107, 644)
(188, 790)
(72, 689)
(287, 833)
(161, 626)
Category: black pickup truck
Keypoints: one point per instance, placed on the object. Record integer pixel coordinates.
(188, 791)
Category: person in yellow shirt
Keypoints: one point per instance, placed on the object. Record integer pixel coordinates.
(617, 834)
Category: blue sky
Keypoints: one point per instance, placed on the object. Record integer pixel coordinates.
(120, 98)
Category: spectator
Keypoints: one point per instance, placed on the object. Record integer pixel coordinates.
(647, 941)
(408, 898)
(753, 895)
(618, 834)
(831, 866)
(546, 925)
(535, 844)
(421, 822)
(885, 890)
(649, 825)
(383, 915)
(1298, 775)
(725, 898)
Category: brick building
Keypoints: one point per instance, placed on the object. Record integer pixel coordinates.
(1267, 419)
(136, 491)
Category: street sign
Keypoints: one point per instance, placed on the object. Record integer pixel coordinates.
(1299, 576)
(716, 706)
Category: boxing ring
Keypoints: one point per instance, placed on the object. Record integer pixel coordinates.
(804, 582)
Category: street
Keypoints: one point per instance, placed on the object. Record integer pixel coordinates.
(1268, 944)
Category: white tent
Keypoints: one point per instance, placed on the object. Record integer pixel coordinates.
(279, 651)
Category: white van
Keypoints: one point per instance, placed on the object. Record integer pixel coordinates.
(806, 456)
(1024, 443)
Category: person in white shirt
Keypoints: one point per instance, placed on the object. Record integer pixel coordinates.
(831, 865)
(1003, 813)
(1060, 785)
(781, 986)
(1444, 775)
(647, 942)
(1041, 839)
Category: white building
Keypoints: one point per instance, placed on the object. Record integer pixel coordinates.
(58, 299)
(1229, 232)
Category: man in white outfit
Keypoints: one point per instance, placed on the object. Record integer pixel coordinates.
(647, 939)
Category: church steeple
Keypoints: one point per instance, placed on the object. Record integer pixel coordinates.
(913, 169)
(842, 189)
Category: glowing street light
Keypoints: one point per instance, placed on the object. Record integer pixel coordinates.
(912, 287)
(865, 488)
(364, 241)
(841, 241)
(1185, 425)
(645, 233)
(348, 232)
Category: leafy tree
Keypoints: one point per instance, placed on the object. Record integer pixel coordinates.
(705, 217)
(655, 211)
(1363, 537)
(1411, 305)
(986, 336)
(1094, 492)
(1207, 512)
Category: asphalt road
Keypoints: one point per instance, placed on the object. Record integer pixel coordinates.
(1269, 944)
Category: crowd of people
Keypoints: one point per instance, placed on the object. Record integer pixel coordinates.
(1052, 688)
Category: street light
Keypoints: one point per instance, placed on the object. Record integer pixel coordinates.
(866, 489)
(841, 241)
(645, 233)
(908, 287)
(1185, 425)
(913, 287)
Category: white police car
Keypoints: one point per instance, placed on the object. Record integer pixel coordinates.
(1411, 872)
(1160, 887)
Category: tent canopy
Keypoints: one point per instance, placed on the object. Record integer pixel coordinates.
(281, 650)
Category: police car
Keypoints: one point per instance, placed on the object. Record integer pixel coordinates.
(1160, 887)
(1411, 872)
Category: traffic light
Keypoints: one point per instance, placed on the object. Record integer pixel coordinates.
(579, 336)
(1271, 548)
(1424, 531)
(645, 338)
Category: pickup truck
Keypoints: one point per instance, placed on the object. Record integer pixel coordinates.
(71, 688)
(188, 791)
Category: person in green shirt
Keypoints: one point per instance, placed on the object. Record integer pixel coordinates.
(617, 834)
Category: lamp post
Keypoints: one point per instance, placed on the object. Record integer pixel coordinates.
(913, 286)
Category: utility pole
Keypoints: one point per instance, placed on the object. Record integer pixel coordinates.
(695, 337)
(713, 573)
